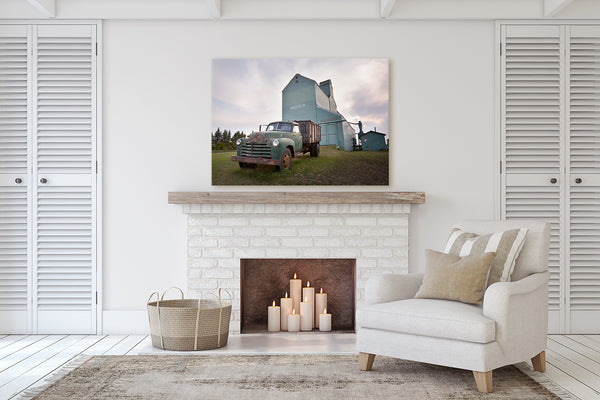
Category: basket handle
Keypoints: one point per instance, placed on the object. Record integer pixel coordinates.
(172, 287)
(212, 294)
(158, 299)
(228, 292)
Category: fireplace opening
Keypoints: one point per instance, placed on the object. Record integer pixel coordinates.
(263, 281)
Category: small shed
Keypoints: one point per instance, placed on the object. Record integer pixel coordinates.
(373, 141)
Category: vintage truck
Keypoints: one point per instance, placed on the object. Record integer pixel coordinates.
(278, 144)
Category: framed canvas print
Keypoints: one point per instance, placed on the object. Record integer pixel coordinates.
(280, 121)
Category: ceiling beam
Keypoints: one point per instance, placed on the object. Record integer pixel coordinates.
(48, 7)
(386, 7)
(553, 7)
(214, 7)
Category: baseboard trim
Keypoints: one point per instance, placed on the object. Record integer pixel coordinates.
(125, 322)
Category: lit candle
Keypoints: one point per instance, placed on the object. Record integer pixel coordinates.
(320, 306)
(274, 318)
(286, 309)
(293, 321)
(308, 293)
(325, 321)
(306, 316)
(296, 292)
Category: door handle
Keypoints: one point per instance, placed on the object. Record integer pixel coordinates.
(44, 180)
(553, 180)
(578, 180)
(18, 180)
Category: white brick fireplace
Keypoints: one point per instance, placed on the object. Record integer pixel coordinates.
(219, 235)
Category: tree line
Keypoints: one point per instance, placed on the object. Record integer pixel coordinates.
(223, 140)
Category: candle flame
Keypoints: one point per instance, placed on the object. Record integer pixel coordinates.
(294, 275)
(293, 311)
(273, 303)
(325, 311)
(308, 284)
(321, 290)
(306, 299)
(286, 295)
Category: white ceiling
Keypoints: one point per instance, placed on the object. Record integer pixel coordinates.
(300, 9)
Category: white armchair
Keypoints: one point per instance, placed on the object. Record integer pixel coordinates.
(510, 327)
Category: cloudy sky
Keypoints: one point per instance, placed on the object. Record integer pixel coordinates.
(247, 92)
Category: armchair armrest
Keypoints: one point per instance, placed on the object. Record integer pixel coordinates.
(520, 310)
(501, 291)
(388, 287)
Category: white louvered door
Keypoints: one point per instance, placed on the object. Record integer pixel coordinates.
(64, 179)
(532, 120)
(14, 200)
(551, 153)
(48, 178)
(583, 179)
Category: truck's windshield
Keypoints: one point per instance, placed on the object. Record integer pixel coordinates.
(280, 126)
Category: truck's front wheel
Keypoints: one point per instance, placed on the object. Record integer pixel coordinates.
(285, 162)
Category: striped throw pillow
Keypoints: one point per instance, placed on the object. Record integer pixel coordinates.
(507, 245)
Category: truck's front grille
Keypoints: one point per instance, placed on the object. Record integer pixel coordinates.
(256, 150)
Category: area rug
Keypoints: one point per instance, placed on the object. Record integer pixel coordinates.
(279, 377)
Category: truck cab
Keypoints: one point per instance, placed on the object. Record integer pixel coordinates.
(290, 130)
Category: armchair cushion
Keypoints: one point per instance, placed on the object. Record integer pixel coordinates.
(507, 245)
(450, 277)
(430, 317)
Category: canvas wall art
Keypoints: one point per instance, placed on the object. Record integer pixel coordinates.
(300, 121)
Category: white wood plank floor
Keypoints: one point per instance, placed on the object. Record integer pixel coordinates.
(573, 361)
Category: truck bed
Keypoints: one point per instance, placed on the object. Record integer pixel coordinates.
(311, 132)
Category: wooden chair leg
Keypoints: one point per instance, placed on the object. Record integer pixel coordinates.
(483, 381)
(539, 362)
(365, 361)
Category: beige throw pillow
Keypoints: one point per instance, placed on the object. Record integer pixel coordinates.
(451, 277)
(507, 245)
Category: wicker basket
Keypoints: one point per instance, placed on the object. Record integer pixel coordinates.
(192, 324)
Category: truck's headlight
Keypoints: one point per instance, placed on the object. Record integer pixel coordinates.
(275, 143)
(238, 142)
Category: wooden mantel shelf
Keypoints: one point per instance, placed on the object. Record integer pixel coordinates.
(296, 197)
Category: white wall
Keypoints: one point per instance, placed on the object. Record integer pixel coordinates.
(157, 103)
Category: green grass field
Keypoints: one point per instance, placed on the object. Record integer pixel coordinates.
(332, 167)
